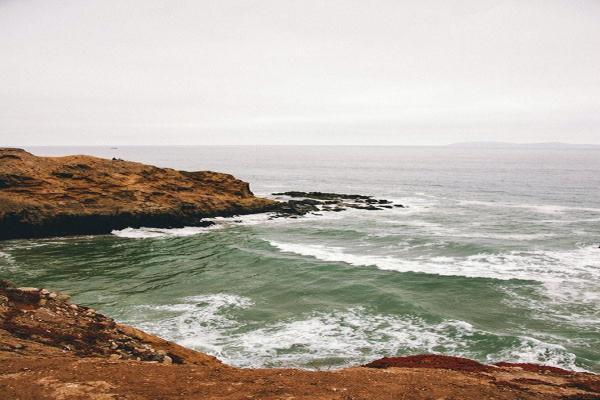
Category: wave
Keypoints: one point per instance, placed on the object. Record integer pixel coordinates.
(338, 338)
(144, 233)
(539, 208)
(243, 220)
(437, 229)
(198, 321)
(9, 265)
(572, 304)
(218, 223)
(7, 257)
(542, 266)
(530, 350)
(569, 275)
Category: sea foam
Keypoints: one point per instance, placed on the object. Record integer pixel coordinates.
(543, 266)
(322, 339)
(144, 233)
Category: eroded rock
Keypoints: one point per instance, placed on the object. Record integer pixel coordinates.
(56, 196)
(314, 203)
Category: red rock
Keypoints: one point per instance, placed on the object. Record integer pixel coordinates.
(430, 361)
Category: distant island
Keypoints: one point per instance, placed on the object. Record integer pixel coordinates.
(541, 145)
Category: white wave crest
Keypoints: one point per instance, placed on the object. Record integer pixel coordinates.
(340, 338)
(144, 233)
(543, 266)
(538, 208)
(535, 351)
(347, 338)
(197, 321)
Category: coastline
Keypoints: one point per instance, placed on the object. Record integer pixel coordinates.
(79, 195)
(50, 348)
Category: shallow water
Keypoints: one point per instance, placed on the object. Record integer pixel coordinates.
(496, 258)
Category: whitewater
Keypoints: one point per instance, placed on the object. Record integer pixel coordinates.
(496, 257)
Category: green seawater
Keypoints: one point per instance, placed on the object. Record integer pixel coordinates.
(488, 261)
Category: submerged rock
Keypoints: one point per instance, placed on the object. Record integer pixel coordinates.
(323, 195)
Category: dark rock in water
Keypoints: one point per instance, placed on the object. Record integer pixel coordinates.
(294, 208)
(399, 206)
(360, 207)
(322, 195)
(302, 206)
(311, 202)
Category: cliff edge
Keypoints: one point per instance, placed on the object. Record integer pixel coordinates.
(52, 349)
(56, 196)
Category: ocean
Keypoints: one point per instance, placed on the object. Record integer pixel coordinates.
(495, 258)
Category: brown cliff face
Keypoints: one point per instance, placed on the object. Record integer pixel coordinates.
(51, 196)
(51, 349)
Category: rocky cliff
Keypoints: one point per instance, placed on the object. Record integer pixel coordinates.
(53, 196)
(52, 349)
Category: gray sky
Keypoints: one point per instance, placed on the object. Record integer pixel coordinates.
(298, 72)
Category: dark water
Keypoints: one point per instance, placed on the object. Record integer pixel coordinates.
(496, 258)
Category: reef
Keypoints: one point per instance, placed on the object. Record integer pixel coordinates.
(51, 348)
(297, 203)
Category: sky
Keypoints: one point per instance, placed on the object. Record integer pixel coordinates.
(159, 72)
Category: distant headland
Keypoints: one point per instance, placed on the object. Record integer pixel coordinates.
(540, 145)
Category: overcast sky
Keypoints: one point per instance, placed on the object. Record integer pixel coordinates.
(298, 72)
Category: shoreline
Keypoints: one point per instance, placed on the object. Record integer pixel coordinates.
(51, 348)
(83, 195)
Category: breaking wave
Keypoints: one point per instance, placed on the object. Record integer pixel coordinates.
(542, 266)
(341, 338)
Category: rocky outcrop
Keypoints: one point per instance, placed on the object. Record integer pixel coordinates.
(48, 320)
(302, 203)
(55, 196)
(75, 195)
(53, 349)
